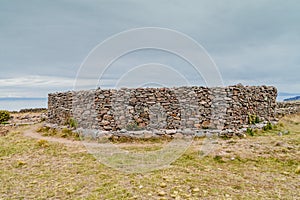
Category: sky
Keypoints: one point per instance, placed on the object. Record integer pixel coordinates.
(44, 43)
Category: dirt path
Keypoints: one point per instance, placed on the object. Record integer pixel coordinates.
(31, 132)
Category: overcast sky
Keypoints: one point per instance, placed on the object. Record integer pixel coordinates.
(43, 43)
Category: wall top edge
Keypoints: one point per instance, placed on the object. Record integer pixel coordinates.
(164, 88)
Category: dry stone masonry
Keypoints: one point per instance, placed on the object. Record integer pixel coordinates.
(287, 108)
(200, 108)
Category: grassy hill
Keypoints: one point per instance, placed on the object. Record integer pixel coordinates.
(263, 166)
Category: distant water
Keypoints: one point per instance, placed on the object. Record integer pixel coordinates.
(16, 104)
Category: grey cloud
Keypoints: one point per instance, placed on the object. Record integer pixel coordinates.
(253, 42)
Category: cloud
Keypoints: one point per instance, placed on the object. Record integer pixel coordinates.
(43, 43)
(36, 81)
(39, 86)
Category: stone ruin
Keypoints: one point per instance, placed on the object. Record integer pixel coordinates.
(194, 108)
(287, 108)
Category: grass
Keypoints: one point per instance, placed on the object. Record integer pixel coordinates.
(263, 166)
(63, 133)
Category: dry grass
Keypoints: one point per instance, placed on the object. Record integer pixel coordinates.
(265, 166)
(63, 133)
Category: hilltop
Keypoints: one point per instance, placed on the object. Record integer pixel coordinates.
(297, 98)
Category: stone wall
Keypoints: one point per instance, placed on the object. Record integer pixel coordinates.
(163, 108)
(287, 108)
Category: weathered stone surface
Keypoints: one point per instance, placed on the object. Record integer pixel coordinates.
(287, 108)
(165, 108)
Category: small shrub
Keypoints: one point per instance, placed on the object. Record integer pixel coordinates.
(76, 135)
(218, 159)
(4, 116)
(64, 133)
(267, 127)
(43, 143)
(257, 120)
(43, 129)
(67, 133)
(250, 132)
(47, 131)
(72, 123)
(253, 119)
